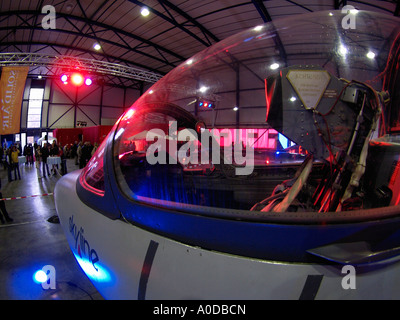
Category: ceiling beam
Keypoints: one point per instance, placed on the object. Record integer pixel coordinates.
(206, 32)
(173, 22)
(262, 10)
(120, 32)
(74, 46)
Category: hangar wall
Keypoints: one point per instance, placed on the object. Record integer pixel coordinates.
(66, 105)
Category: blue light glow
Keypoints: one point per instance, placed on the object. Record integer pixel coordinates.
(101, 275)
(40, 276)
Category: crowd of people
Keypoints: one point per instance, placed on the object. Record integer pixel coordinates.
(37, 155)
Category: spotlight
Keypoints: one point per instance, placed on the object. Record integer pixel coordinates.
(144, 12)
(64, 78)
(342, 50)
(96, 47)
(88, 81)
(274, 66)
(206, 104)
(203, 89)
(370, 55)
(40, 276)
(77, 79)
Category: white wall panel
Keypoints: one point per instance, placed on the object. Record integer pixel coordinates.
(131, 96)
(90, 114)
(252, 98)
(111, 113)
(62, 94)
(94, 104)
(61, 117)
(255, 78)
(252, 117)
(89, 95)
(113, 97)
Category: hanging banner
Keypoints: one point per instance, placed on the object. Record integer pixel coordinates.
(12, 85)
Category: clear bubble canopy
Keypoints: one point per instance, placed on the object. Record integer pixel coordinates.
(272, 119)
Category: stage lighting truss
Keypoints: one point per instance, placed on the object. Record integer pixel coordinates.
(87, 66)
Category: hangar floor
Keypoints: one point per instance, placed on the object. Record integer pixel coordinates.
(30, 242)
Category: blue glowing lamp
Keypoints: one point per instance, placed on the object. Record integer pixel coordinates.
(40, 276)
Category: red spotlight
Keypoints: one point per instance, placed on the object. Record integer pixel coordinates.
(206, 104)
(88, 81)
(77, 79)
(64, 78)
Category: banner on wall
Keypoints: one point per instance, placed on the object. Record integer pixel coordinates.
(12, 85)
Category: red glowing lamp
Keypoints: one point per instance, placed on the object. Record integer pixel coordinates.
(77, 79)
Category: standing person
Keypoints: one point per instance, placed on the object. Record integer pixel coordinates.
(14, 161)
(54, 152)
(7, 162)
(79, 154)
(62, 154)
(38, 156)
(96, 145)
(45, 154)
(54, 149)
(74, 152)
(29, 154)
(24, 154)
(86, 153)
(1, 156)
(4, 211)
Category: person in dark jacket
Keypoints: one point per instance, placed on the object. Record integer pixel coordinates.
(45, 154)
(4, 214)
(28, 153)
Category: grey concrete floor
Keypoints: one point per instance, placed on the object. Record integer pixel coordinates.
(30, 242)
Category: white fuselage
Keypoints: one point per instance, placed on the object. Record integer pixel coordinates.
(127, 262)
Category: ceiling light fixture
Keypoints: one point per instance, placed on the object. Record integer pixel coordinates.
(274, 66)
(342, 50)
(96, 47)
(144, 12)
(370, 55)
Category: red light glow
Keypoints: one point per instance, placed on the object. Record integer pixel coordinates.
(77, 79)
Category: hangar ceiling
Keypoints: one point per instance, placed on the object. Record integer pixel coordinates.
(173, 31)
